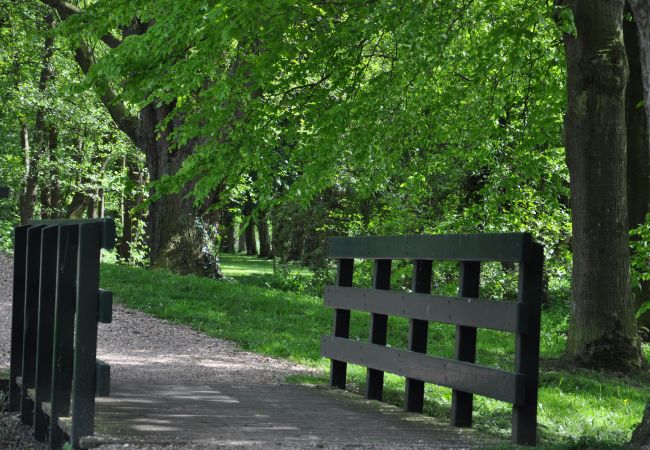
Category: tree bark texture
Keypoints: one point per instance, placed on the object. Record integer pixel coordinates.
(173, 237)
(638, 141)
(602, 330)
(638, 148)
(641, 11)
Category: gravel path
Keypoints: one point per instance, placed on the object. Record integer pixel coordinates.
(6, 288)
(141, 347)
(175, 388)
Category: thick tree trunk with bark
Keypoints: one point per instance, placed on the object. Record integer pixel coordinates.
(174, 238)
(641, 11)
(638, 149)
(602, 330)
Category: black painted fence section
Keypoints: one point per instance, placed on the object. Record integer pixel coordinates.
(57, 304)
(467, 311)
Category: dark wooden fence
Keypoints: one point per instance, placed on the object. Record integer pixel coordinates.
(57, 303)
(467, 311)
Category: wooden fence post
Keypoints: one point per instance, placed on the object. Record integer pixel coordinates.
(43, 380)
(462, 402)
(30, 322)
(85, 337)
(378, 329)
(17, 316)
(63, 345)
(524, 416)
(418, 335)
(338, 370)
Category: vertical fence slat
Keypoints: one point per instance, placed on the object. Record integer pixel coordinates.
(48, 272)
(63, 346)
(85, 344)
(30, 322)
(378, 329)
(524, 417)
(418, 335)
(17, 316)
(462, 402)
(338, 369)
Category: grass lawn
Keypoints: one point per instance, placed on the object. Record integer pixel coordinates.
(577, 408)
(235, 265)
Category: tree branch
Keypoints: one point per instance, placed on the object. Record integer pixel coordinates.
(125, 121)
(66, 10)
(128, 123)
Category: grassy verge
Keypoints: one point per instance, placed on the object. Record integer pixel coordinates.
(577, 408)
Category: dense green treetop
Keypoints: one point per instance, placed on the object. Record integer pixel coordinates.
(411, 99)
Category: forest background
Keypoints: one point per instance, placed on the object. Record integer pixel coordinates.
(206, 127)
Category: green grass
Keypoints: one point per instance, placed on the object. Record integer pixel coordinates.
(235, 265)
(576, 407)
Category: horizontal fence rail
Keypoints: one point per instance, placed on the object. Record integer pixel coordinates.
(500, 247)
(57, 304)
(495, 315)
(467, 311)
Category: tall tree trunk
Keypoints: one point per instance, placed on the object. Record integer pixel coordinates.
(249, 231)
(129, 202)
(251, 241)
(227, 231)
(602, 329)
(39, 146)
(174, 239)
(265, 236)
(241, 241)
(49, 186)
(54, 183)
(638, 148)
(641, 11)
(28, 194)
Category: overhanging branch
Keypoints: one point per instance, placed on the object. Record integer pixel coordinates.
(84, 57)
(66, 10)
